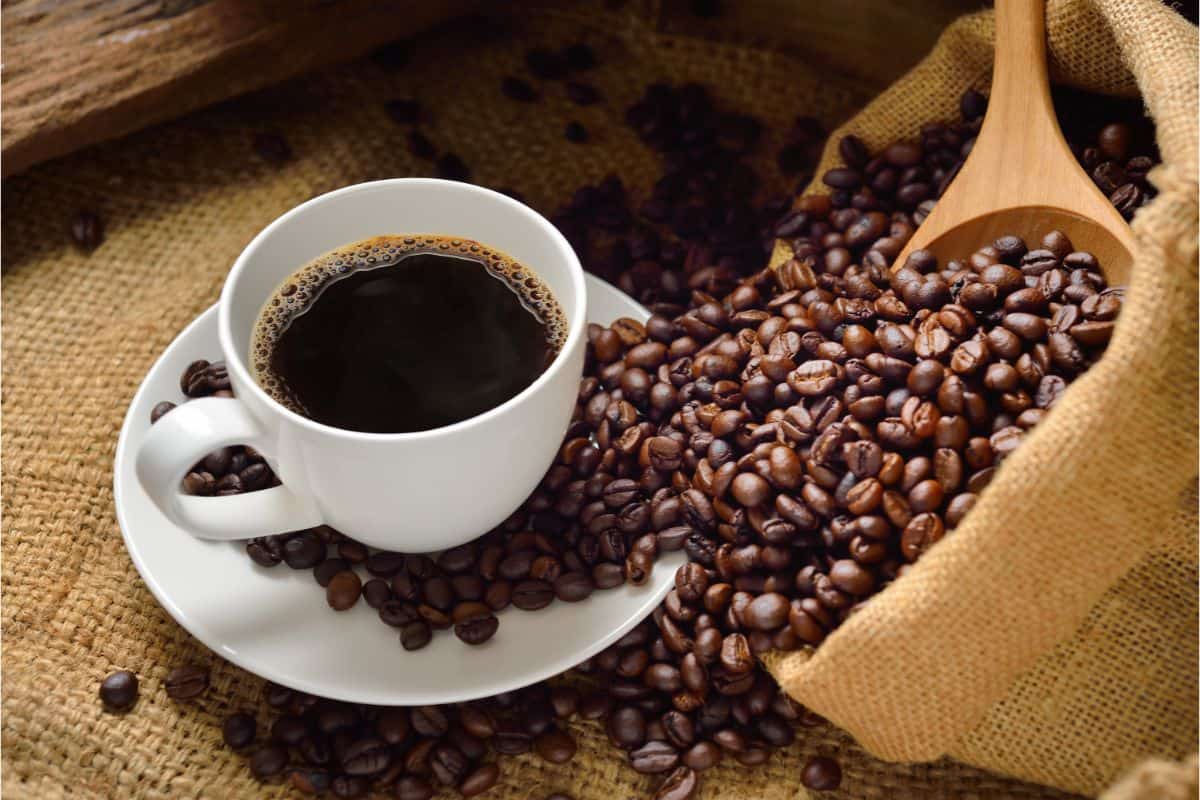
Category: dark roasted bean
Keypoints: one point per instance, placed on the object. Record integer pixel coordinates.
(186, 682)
(119, 691)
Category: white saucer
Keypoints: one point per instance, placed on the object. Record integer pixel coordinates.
(276, 624)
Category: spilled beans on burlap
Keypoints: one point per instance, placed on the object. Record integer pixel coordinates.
(179, 202)
(1052, 637)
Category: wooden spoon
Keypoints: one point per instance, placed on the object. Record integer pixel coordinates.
(1021, 177)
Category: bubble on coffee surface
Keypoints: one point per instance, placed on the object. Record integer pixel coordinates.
(300, 291)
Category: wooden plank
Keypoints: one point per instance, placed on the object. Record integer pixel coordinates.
(77, 72)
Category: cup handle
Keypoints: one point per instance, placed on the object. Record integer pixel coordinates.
(184, 436)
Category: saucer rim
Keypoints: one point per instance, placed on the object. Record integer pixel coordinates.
(122, 461)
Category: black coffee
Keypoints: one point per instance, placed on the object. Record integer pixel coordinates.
(405, 333)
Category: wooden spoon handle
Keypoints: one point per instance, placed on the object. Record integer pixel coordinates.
(1021, 177)
(1020, 78)
(1020, 134)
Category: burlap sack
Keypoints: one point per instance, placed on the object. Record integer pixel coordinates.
(1156, 779)
(1053, 636)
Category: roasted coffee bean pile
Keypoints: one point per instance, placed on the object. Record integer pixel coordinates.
(876, 200)
(819, 441)
(1114, 143)
(802, 447)
(1118, 173)
(702, 226)
(804, 436)
(585, 528)
(705, 224)
(349, 750)
(653, 254)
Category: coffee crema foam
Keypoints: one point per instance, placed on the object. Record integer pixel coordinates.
(302, 288)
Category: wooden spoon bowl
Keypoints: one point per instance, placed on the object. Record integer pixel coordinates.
(1021, 177)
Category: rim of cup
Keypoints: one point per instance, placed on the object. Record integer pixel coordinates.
(577, 315)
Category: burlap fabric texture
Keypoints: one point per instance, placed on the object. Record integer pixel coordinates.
(179, 203)
(1053, 636)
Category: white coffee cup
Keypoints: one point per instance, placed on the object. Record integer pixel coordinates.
(411, 492)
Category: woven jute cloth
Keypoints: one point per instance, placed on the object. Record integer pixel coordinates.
(1053, 635)
(179, 203)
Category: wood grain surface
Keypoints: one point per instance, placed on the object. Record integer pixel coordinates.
(77, 72)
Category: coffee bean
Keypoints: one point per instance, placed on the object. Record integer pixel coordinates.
(203, 484)
(309, 781)
(638, 566)
(477, 630)
(352, 551)
(159, 410)
(842, 178)
(579, 57)
(665, 454)
(430, 721)
(343, 590)
(512, 742)
(289, 730)
(679, 785)
(303, 551)
(750, 489)
(451, 167)
(384, 564)
(813, 378)
(366, 757)
(556, 746)
(268, 761)
(604, 576)
(849, 576)
(87, 231)
(532, 595)
(821, 774)
(582, 94)
(766, 612)
(546, 64)
(691, 582)
(376, 592)
(119, 691)
(920, 534)
(627, 727)
(414, 787)
(272, 148)
(415, 635)
(736, 657)
(575, 132)
(238, 730)
(702, 756)
(519, 90)
(449, 765)
(186, 682)
(653, 758)
(403, 112)
(480, 780)
(421, 147)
